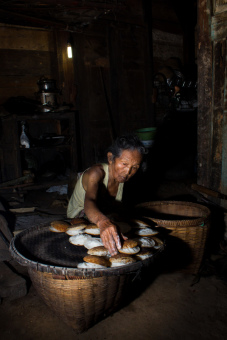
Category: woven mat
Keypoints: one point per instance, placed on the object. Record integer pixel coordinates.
(46, 247)
(27, 221)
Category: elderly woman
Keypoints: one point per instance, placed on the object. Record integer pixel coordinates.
(102, 185)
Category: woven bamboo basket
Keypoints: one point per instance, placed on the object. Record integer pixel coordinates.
(186, 222)
(79, 297)
(80, 302)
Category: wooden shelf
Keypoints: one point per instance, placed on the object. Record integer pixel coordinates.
(46, 147)
(12, 156)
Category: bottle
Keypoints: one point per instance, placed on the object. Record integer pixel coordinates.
(24, 141)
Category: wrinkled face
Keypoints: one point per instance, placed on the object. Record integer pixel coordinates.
(125, 166)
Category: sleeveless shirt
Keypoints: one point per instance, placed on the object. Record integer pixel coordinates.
(76, 202)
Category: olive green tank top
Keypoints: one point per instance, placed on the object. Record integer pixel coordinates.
(76, 202)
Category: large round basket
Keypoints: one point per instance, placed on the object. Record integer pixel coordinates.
(188, 227)
(80, 297)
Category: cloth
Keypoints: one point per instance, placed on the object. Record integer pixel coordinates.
(76, 202)
(61, 189)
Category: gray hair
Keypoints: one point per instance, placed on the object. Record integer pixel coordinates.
(127, 142)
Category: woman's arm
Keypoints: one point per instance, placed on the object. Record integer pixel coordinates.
(92, 180)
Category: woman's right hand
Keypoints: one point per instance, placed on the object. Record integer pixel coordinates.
(109, 235)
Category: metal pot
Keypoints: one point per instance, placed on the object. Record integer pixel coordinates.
(47, 85)
(45, 108)
(48, 98)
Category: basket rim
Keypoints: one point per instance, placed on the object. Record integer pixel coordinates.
(78, 272)
(197, 222)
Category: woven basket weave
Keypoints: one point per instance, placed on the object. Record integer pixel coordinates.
(186, 221)
(80, 297)
(81, 303)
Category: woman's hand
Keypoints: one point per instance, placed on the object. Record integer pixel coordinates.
(109, 235)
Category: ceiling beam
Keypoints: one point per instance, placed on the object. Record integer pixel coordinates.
(32, 19)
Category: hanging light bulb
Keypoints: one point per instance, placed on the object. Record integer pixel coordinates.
(69, 50)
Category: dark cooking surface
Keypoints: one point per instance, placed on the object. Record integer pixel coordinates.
(47, 247)
(40, 249)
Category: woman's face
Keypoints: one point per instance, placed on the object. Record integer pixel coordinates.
(125, 166)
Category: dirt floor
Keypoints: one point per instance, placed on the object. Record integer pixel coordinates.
(170, 308)
(162, 305)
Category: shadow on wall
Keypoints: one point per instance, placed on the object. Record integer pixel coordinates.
(9, 217)
(172, 157)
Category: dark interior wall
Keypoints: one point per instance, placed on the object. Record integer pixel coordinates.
(26, 55)
(114, 85)
(108, 82)
(65, 74)
(212, 133)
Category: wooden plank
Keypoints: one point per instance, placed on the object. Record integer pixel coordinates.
(11, 164)
(98, 106)
(204, 94)
(66, 66)
(9, 135)
(218, 100)
(15, 81)
(216, 153)
(83, 102)
(96, 48)
(99, 81)
(219, 63)
(219, 25)
(22, 69)
(99, 123)
(115, 57)
(14, 38)
(24, 62)
(22, 210)
(6, 93)
(11, 167)
(218, 5)
(99, 146)
(224, 155)
(136, 100)
(208, 191)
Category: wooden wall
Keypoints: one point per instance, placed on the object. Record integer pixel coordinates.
(113, 72)
(26, 55)
(212, 100)
(108, 81)
(166, 45)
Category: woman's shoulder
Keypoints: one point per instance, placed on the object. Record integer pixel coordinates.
(96, 172)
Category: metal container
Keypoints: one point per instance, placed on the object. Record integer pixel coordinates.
(45, 108)
(48, 98)
(47, 85)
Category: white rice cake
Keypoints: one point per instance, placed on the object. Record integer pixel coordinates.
(51, 228)
(90, 265)
(146, 232)
(73, 231)
(145, 242)
(130, 251)
(92, 231)
(79, 240)
(93, 242)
